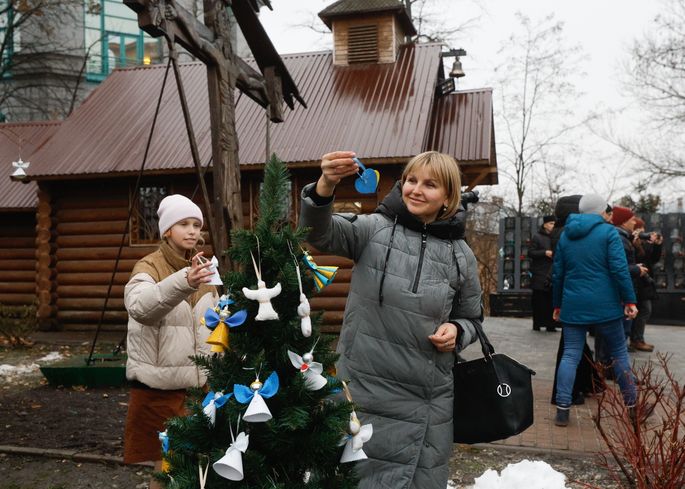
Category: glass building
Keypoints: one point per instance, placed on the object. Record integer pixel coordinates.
(113, 39)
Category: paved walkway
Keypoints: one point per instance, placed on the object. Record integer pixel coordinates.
(515, 337)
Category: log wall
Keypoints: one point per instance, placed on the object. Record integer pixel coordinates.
(18, 258)
(87, 222)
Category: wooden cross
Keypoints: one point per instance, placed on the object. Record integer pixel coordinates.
(211, 43)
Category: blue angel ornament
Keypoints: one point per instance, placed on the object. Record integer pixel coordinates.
(257, 410)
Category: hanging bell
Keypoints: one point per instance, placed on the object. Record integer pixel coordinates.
(457, 71)
(257, 411)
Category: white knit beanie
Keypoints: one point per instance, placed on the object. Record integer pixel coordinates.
(592, 204)
(175, 208)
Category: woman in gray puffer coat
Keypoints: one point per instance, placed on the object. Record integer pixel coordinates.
(414, 297)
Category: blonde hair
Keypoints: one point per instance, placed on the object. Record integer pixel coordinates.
(446, 171)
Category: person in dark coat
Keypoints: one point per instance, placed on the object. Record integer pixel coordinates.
(624, 219)
(414, 299)
(540, 253)
(647, 252)
(592, 286)
(587, 379)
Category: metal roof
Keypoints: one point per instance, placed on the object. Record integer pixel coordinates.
(20, 140)
(377, 110)
(359, 6)
(462, 125)
(380, 111)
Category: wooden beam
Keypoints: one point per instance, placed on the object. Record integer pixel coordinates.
(479, 177)
(45, 285)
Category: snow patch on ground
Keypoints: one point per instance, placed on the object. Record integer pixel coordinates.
(526, 474)
(7, 370)
(53, 356)
(15, 370)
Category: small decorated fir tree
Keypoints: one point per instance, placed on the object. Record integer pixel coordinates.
(256, 375)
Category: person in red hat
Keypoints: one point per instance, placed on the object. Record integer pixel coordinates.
(624, 219)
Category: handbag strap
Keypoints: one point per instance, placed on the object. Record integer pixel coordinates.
(486, 346)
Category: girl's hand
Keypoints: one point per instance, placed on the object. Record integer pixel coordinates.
(334, 167)
(445, 338)
(198, 273)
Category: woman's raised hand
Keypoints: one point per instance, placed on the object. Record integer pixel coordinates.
(334, 167)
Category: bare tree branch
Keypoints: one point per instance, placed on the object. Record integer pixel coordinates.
(656, 79)
(536, 89)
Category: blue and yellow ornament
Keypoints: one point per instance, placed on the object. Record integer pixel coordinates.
(219, 320)
(322, 275)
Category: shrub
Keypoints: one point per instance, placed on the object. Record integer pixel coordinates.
(648, 442)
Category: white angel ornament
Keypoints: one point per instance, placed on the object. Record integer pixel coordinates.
(303, 310)
(257, 410)
(355, 439)
(358, 434)
(230, 466)
(310, 370)
(263, 295)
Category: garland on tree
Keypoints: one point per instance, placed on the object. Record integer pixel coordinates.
(269, 367)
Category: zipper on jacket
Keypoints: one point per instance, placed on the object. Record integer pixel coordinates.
(424, 237)
(456, 262)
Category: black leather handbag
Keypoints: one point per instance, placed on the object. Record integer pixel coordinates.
(493, 396)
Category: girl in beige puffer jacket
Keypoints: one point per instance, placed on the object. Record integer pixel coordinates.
(166, 297)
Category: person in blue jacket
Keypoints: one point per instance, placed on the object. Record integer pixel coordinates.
(591, 286)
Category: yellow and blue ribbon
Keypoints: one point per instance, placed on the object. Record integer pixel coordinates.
(322, 275)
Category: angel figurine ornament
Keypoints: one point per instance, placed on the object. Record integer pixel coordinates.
(310, 370)
(215, 279)
(322, 275)
(230, 466)
(303, 310)
(257, 410)
(213, 401)
(263, 295)
(219, 321)
(358, 434)
(164, 439)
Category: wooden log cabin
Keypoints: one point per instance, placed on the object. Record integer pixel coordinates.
(385, 106)
(18, 203)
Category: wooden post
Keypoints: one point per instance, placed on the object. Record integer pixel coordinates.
(45, 270)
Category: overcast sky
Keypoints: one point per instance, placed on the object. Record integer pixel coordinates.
(604, 29)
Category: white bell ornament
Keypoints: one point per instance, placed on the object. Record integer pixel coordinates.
(230, 466)
(257, 410)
